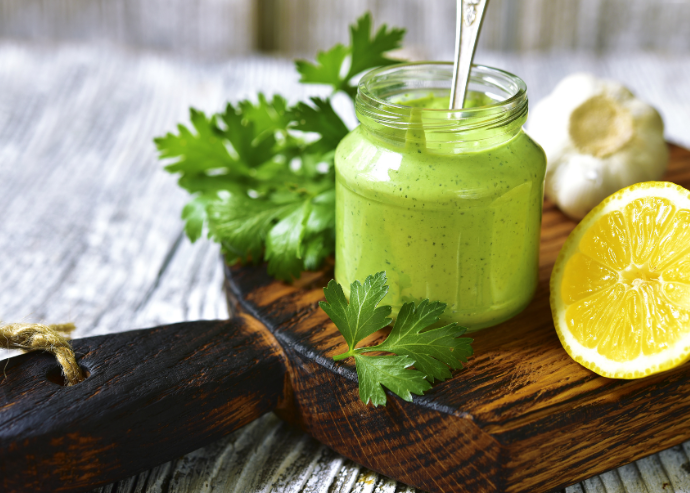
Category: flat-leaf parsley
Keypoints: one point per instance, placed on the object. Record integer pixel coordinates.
(261, 173)
(433, 352)
(363, 54)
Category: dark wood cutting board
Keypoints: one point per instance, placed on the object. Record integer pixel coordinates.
(521, 417)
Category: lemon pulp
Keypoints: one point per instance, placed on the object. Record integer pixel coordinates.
(624, 291)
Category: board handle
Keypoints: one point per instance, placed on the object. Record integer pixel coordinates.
(150, 396)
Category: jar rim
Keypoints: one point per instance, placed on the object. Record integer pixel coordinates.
(476, 68)
(503, 111)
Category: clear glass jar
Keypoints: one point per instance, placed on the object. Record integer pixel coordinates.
(447, 202)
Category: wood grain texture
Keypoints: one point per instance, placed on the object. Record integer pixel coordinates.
(523, 416)
(90, 229)
(207, 28)
(152, 395)
(216, 28)
(513, 26)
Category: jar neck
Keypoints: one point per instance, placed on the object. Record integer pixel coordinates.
(496, 113)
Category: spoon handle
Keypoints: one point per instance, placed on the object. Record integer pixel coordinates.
(468, 24)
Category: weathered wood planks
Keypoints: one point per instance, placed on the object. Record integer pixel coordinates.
(76, 122)
(215, 29)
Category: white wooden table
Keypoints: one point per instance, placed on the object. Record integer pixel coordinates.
(90, 230)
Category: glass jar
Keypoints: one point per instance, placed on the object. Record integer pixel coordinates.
(447, 202)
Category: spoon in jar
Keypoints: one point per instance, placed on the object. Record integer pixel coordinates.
(468, 24)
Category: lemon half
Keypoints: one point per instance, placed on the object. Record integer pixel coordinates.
(620, 288)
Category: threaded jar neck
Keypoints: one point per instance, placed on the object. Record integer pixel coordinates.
(497, 106)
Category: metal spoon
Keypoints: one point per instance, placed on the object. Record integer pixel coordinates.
(468, 25)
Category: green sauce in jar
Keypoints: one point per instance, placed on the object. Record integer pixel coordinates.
(448, 203)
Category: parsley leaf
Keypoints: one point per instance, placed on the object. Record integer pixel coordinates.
(327, 69)
(261, 189)
(391, 371)
(195, 152)
(316, 249)
(369, 53)
(319, 239)
(194, 213)
(431, 350)
(242, 224)
(361, 317)
(284, 243)
(363, 53)
(253, 147)
(322, 119)
(267, 116)
(261, 173)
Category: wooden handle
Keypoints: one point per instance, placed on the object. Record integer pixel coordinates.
(152, 395)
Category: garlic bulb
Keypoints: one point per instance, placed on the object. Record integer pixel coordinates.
(598, 138)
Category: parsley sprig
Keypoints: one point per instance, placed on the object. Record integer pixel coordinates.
(261, 173)
(363, 54)
(433, 352)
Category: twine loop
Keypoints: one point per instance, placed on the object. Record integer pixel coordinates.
(50, 338)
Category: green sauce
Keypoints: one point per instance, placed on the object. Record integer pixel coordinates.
(459, 226)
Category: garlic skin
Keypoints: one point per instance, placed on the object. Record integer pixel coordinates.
(598, 138)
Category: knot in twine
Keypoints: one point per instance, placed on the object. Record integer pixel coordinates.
(50, 338)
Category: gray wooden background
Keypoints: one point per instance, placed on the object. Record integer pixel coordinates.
(217, 28)
(89, 223)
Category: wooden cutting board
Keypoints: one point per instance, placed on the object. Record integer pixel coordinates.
(521, 417)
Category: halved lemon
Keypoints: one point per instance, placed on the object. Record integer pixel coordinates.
(620, 288)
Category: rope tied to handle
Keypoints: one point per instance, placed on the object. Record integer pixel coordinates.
(50, 338)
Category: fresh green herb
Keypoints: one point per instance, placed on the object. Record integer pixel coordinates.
(261, 174)
(432, 351)
(364, 53)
